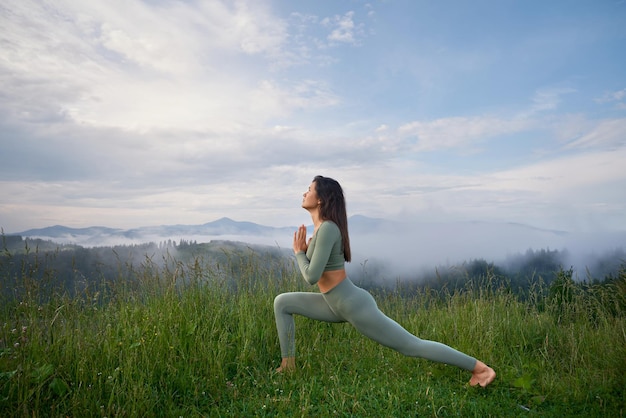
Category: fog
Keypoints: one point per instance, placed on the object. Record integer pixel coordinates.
(408, 249)
(400, 249)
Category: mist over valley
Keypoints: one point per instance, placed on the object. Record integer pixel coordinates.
(386, 249)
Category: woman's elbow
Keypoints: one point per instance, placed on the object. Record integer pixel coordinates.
(311, 280)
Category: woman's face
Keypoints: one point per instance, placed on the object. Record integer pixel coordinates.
(310, 199)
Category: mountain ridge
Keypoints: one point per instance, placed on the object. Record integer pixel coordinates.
(358, 224)
(228, 226)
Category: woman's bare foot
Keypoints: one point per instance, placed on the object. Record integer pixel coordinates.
(482, 375)
(287, 365)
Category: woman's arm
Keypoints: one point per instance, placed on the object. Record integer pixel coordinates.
(312, 269)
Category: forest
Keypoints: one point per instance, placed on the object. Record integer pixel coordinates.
(73, 270)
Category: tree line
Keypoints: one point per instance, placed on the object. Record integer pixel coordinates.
(75, 270)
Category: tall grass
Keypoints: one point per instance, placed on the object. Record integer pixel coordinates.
(198, 339)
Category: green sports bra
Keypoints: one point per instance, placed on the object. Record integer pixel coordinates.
(325, 253)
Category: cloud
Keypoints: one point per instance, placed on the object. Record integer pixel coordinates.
(548, 99)
(612, 96)
(161, 66)
(148, 112)
(456, 132)
(343, 30)
(607, 134)
(314, 34)
(559, 177)
(616, 98)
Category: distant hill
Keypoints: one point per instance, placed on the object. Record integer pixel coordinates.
(98, 235)
(222, 226)
(358, 225)
(402, 244)
(60, 231)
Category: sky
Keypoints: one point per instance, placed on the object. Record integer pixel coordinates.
(135, 113)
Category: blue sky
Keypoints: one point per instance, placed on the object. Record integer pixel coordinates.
(133, 113)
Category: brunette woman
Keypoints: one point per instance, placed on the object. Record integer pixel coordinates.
(321, 260)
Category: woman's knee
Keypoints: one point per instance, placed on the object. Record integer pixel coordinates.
(279, 301)
(282, 301)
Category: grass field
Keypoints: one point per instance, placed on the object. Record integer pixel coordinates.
(195, 339)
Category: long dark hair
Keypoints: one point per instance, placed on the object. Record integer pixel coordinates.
(333, 208)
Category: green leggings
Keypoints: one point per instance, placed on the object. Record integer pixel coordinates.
(349, 303)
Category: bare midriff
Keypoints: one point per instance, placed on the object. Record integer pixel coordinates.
(330, 279)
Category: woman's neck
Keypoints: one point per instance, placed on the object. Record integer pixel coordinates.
(316, 218)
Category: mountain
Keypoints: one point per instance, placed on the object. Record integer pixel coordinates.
(380, 235)
(223, 226)
(98, 235)
(372, 235)
(60, 231)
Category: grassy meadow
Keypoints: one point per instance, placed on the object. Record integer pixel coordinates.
(198, 339)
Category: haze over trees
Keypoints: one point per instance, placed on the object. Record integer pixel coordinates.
(74, 269)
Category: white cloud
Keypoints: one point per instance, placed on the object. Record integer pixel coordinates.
(134, 112)
(563, 176)
(606, 134)
(456, 132)
(548, 99)
(144, 68)
(343, 28)
(612, 96)
(274, 99)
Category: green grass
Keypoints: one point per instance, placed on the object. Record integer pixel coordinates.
(149, 345)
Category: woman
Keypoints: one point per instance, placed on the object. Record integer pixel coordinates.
(321, 261)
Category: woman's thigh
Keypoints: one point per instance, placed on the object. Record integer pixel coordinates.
(308, 304)
(361, 310)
